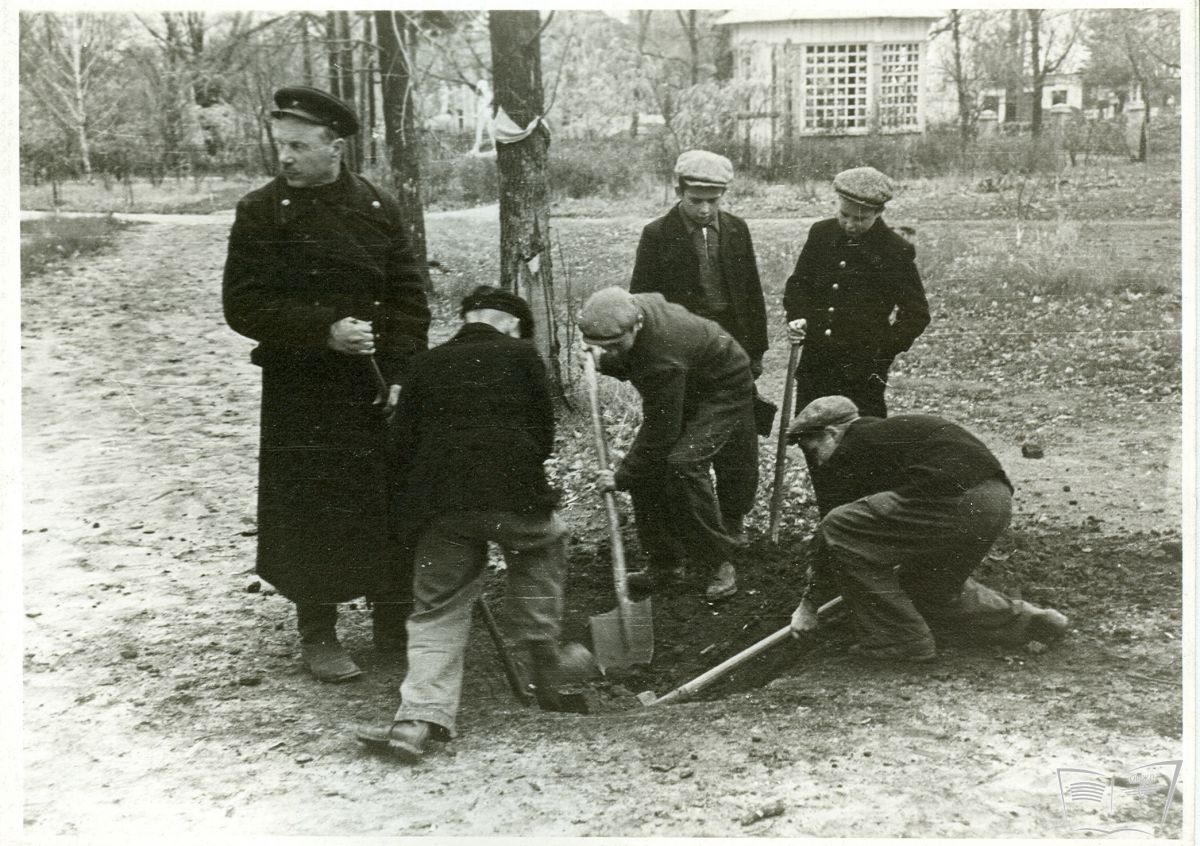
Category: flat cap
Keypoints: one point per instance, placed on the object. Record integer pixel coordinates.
(315, 106)
(609, 313)
(864, 185)
(498, 299)
(822, 412)
(703, 169)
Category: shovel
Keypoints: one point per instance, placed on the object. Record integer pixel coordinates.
(624, 636)
(785, 419)
(688, 690)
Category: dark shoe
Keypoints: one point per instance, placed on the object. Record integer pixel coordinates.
(643, 583)
(723, 584)
(921, 652)
(1047, 626)
(406, 739)
(556, 667)
(329, 662)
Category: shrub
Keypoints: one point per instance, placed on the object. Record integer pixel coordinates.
(599, 167)
(52, 239)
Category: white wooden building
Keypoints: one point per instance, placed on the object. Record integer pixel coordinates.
(829, 72)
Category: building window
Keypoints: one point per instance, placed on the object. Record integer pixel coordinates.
(1058, 95)
(991, 103)
(835, 86)
(899, 86)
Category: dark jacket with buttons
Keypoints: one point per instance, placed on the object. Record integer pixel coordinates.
(299, 260)
(474, 426)
(667, 264)
(847, 293)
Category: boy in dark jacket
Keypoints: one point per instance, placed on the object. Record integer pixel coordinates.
(855, 298)
(909, 506)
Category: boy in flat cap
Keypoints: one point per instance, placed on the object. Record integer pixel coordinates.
(909, 506)
(702, 258)
(697, 415)
(475, 424)
(320, 273)
(852, 274)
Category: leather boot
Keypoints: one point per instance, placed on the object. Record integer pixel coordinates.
(556, 668)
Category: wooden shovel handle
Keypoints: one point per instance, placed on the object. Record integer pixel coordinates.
(685, 691)
(610, 503)
(518, 688)
(785, 418)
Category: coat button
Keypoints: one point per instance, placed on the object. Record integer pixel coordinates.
(376, 303)
(285, 202)
(831, 309)
(841, 264)
(375, 204)
(828, 332)
(834, 286)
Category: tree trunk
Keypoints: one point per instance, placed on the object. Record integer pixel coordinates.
(399, 122)
(961, 82)
(345, 84)
(1039, 73)
(78, 89)
(525, 256)
(306, 58)
(687, 20)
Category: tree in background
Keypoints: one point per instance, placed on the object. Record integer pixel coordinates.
(1136, 53)
(1051, 40)
(66, 62)
(525, 257)
(962, 67)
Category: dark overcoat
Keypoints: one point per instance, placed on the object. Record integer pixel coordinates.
(848, 290)
(667, 264)
(474, 426)
(299, 260)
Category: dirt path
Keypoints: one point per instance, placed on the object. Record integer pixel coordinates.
(162, 697)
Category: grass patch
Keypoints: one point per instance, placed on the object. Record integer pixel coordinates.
(139, 196)
(48, 240)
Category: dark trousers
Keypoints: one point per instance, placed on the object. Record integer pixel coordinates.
(678, 512)
(860, 378)
(904, 566)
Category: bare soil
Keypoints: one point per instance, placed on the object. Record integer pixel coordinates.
(163, 692)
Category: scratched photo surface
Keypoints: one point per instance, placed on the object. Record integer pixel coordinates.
(1030, 191)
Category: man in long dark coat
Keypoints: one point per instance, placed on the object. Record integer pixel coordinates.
(697, 416)
(475, 425)
(909, 506)
(320, 273)
(702, 258)
(855, 299)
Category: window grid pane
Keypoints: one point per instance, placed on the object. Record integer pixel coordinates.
(899, 84)
(835, 84)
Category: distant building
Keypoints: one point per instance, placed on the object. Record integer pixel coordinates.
(829, 72)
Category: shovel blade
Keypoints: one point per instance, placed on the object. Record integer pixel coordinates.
(623, 646)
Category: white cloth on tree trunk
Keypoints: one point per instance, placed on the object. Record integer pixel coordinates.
(509, 132)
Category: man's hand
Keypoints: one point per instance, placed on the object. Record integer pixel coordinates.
(796, 330)
(387, 404)
(756, 368)
(805, 619)
(606, 480)
(351, 336)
